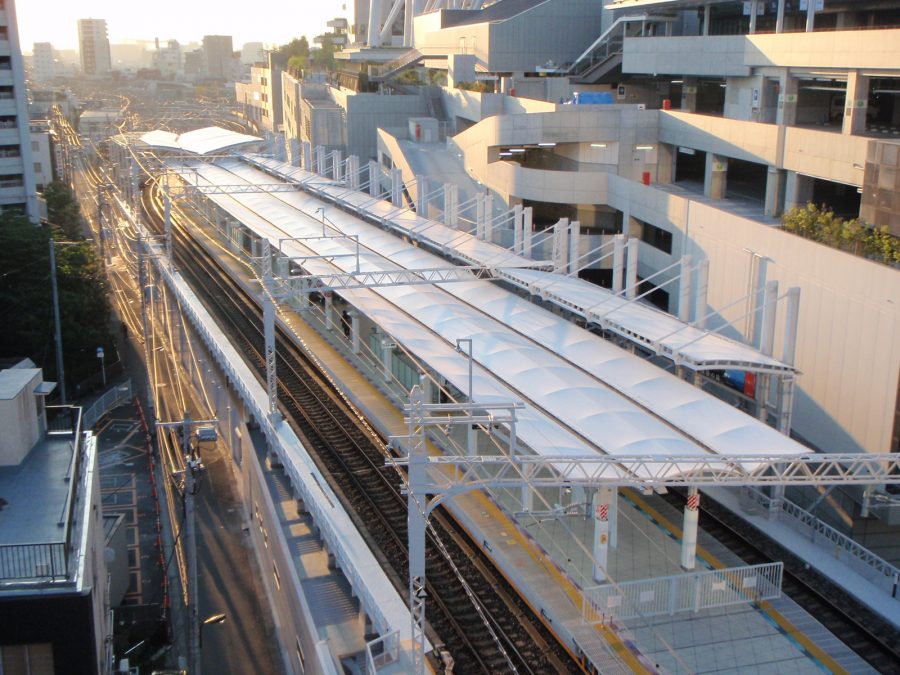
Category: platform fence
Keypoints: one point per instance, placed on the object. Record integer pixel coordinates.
(682, 593)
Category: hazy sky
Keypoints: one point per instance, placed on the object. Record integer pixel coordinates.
(268, 21)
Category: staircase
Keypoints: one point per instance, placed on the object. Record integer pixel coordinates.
(404, 62)
(604, 57)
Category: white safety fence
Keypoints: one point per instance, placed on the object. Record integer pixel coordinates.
(864, 562)
(682, 593)
(118, 395)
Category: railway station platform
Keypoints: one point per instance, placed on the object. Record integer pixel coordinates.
(546, 557)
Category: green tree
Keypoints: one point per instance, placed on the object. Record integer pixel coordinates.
(62, 209)
(298, 47)
(25, 299)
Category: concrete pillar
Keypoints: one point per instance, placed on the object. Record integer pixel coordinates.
(517, 229)
(700, 310)
(354, 330)
(353, 172)
(307, 156)
(715, 181)
(374, 178)
(471, 440)
(618, 265)
(601, 504)
(396, 187)
(665, 163)
(574, 246)
(689, 529)
(684, 290)
(294, 146)
(774, 192)
(857, 103)
(798, 190)
(689, 94)
(707, 15)
(425, 384)
(560, 245)
(528, 232)
(787, 99)
(631, 266)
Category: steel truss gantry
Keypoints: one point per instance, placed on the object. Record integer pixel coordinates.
(377, 278)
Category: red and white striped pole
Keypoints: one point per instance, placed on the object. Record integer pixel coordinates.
(689, 530)
(601, 506)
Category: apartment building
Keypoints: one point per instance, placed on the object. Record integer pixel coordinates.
(17, 186)
(219, 62)
(43, 62)
(93, 46)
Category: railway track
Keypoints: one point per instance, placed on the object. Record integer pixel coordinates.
(872, 638)
(353, 459)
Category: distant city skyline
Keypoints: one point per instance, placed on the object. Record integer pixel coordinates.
(55, 21)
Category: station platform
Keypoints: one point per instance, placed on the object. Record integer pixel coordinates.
(550, 567)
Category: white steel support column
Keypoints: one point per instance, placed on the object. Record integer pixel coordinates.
(600, 509)
(294, 146)
(387, 351)
(779, 21)
(425, 384)
(451, 205)
(307, 155)
(810, 15)
(527, 496)
(574, 246)
(702, 293)
(766, 346)
(269, 331)
(167, 220)
(631, 266)
(560, 245)
(374, 178)
(614, 518)
(489, 218)
(354, 331)
(396, 187)
(337, 166)
(689, 529)
(353, 172)
(320, 160)
(329, 310)
(618, 263)
(422, 196)
(684, 290)
(479, 216)
(786, 390)
(754, 7)
(373, 34)
(416, 529)
(527, 229)
(517, 229)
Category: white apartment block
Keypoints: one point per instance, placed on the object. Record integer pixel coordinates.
(93, 46)
(43, 62)
(17, 184)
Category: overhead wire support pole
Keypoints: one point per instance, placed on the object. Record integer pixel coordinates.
(269, 332)
(57, 329)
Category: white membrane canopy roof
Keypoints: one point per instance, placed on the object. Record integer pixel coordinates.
(197, 142)
(582, 395)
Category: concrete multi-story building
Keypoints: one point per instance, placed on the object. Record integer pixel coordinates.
(167, 59)
(42, 153)
(261, 97)
(17, 186)
(702, 127)
(54, 607)
(218, 57)
(43, 62)
(253, 52)
(93, 45)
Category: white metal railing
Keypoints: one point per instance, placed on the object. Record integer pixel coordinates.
(682, 593)
(113, 398)
(382, 652)
(872, 567)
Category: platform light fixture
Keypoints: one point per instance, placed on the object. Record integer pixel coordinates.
(598, 145)
(643, 147)
(517, 149)
(546, 145)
